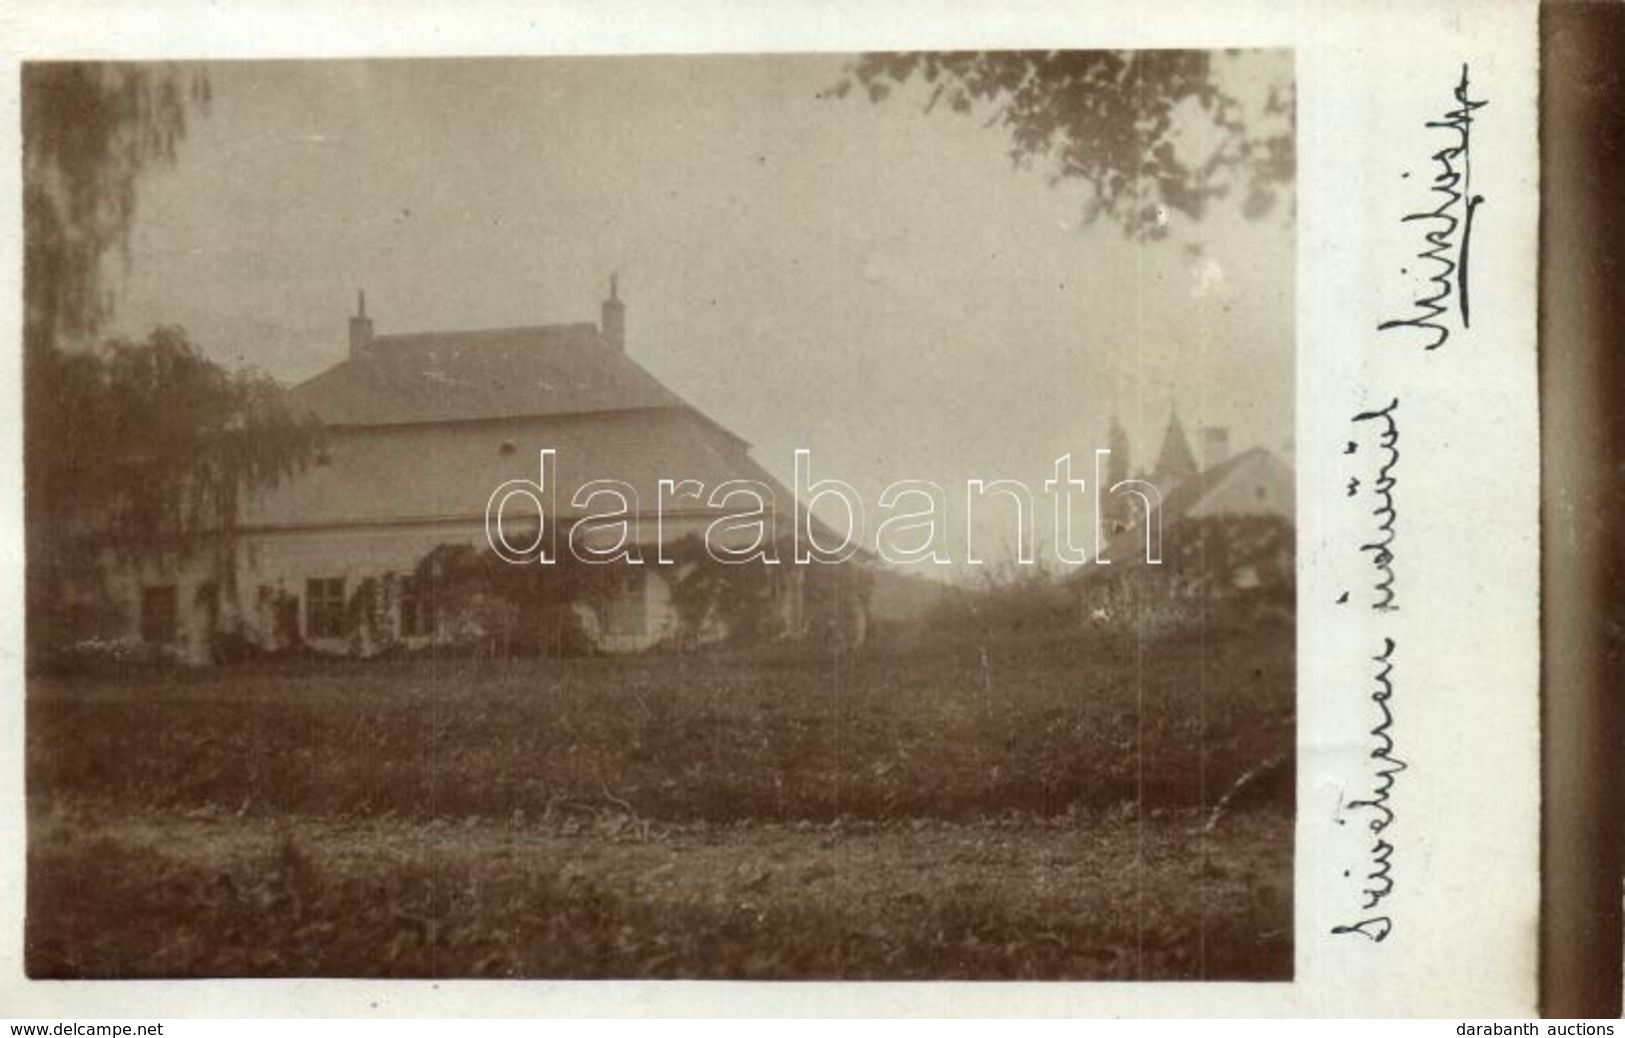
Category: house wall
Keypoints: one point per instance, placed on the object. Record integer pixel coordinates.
(273, 570)
(441, 471)
(196, 608)
(382, 498)
(651, 596)
(1262, 486)
(284, 561)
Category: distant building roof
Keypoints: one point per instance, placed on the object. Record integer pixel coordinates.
(1175, 462)
(1187, 500)
(547, 370)
(1185, 497)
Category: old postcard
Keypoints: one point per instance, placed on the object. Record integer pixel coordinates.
(540, 496)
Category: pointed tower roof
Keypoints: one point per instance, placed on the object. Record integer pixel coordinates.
(1175, 462)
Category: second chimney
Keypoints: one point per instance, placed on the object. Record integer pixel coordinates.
(1215, 446)
(360, 327)
(612, 323)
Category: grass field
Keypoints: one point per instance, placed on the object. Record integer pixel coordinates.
(1032, 807)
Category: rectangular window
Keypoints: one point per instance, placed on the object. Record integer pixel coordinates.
(159, 614)
(324, 607)
(626, 612)
(417, 609)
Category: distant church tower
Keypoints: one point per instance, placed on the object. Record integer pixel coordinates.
(1175, 463)
(1115, 508)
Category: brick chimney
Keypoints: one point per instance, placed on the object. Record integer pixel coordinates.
(1215, 446)
(360, 327)
(612, 323)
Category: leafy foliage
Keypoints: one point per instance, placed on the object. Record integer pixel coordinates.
(534, 608)
(138, 448)
(1222, 547)
(1220, 555)
(1239, 568)
(1112, 119)
(141, 451)
(89, 132)
(741, 599)
(1008, 598)
(475, 593)
(155, 441)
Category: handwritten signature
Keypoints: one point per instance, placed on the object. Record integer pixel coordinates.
(1379, 881)
(1447, 240)
(1377, 877)
(1380, 548)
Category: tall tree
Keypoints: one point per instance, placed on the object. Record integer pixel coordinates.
(1117, 120)
(130, 448)
(90, 131)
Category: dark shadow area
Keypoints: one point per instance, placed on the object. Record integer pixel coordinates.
(1582, 325)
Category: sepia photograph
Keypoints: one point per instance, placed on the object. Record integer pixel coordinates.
(771, 516)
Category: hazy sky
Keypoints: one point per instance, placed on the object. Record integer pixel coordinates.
(871, 282)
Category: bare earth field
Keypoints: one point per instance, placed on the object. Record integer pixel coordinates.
(1033, 807)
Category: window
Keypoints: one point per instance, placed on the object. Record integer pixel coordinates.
(626, 610)
(417, 609)
(324, 607)
(158, 614)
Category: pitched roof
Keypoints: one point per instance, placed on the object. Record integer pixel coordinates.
(477, 375)
(1185, 497)
(1180, 503)
(412, 442)
(1175, 461)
